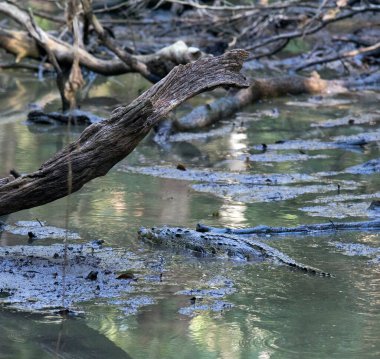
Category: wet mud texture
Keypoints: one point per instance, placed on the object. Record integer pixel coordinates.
(48, 278)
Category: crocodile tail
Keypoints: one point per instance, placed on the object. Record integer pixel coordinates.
(306, 269)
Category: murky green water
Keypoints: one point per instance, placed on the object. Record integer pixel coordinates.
(274, 312)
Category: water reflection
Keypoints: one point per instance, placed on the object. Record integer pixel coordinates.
(277, 313)
(233, 214)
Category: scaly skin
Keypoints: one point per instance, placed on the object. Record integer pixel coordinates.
(219, 244)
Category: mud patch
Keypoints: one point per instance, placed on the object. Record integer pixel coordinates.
(280, 157)
(343, 142)
(357, 249)
(245, 187)
(340, 210)
(132, 305)
(249, 194)
(317, 101)
(343, 206)
(372, 166)
(220, 177)
(40, 278)
(208, 298)
(350, 120)
(38, 230)
(346, 197)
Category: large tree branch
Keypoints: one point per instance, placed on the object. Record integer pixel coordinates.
(102, 145)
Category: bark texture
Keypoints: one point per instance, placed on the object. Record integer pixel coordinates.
(103, 144)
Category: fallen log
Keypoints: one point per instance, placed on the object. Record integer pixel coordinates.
(103, 144)
(234, 246)
(308, 228)
(206, 115)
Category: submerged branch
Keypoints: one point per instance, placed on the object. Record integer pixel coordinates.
(307, 228)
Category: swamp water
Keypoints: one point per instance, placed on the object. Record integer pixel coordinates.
(255, 310)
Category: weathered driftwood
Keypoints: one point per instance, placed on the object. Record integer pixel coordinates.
(308, 228)
(222, 244)
(225, 107)
(22, 45)
(102, 145)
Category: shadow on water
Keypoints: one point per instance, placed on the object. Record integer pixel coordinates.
(33, 336)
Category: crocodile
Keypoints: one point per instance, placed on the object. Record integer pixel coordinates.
(217, 244)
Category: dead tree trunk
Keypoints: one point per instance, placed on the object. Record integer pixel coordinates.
(104, 144)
